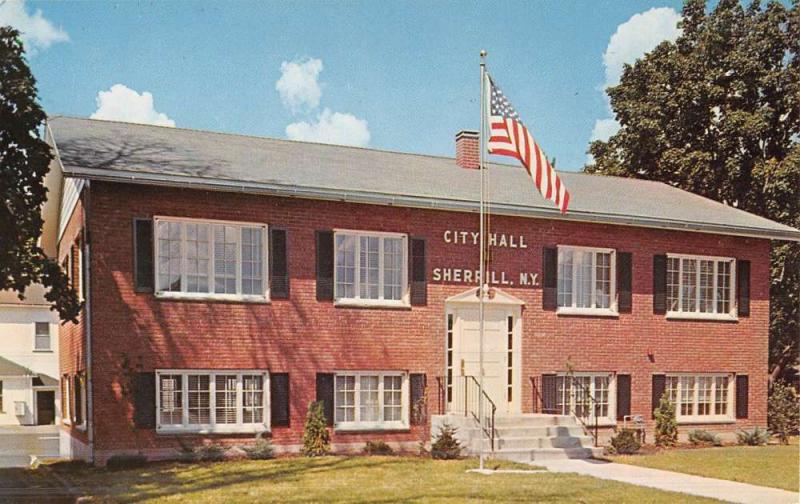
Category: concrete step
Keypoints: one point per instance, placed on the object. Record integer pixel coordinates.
(565, 453)
(534, 420)
(541, 442)
(569, 431)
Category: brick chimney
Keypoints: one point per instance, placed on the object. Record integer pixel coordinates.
(467, 149)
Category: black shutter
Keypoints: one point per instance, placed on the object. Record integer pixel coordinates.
(144, 400)
(418, 408)
(549, 392)
(659, 284)
(659, 386)
(143, 254)
(279, 399)
(324, 241)
(742, 394)
(325, 394)
(623, 396)
(624, 282)
(279, 265)
(550, 284)
(743, 287)
(419, 282)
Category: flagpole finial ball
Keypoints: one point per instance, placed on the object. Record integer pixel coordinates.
(483, 53)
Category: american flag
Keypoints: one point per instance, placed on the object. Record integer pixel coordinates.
(508, 136)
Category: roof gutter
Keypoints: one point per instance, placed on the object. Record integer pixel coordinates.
(401, 200)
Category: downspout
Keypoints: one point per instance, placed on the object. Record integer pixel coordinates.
(87, 322)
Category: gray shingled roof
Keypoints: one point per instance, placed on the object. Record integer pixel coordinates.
(106, 150)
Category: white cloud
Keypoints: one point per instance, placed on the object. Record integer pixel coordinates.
(36, 31)
(636, 37)
(633, 39)
(299, 83)
(121, 103)
(604, 129)
(333, 128)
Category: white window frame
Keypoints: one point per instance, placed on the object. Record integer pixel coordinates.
(357, 425)
(82, 379)
(49, 337)
(696, 313)
(211, 295)
(612, 310)
(405, 298)
(66, 381)
(211, 428)
(611, 418)
(704, 419)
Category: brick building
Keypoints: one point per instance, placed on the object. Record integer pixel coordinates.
(231, 280)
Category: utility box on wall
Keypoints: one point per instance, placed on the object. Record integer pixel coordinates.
(19, 408)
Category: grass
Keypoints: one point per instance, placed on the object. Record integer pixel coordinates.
(771, 466)
(342, 480)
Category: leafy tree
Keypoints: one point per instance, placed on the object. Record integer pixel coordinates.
(717, 112)
(24, 161)
(783, 411)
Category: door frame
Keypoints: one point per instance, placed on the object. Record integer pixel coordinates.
(36, 391)
(500, 300)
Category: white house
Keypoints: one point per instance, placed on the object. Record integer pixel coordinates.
(29, 388)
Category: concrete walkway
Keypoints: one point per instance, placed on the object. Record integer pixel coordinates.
(729, 491)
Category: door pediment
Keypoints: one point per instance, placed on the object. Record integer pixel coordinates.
(500, 298)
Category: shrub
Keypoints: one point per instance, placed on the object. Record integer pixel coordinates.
(116, 462)
(377, 448)
(666, 424)
(783, 411)
(703, 437)
(625, 443)
(316, 438)
(755, 437)
(446, 445)
(210, 452)
(262, 449)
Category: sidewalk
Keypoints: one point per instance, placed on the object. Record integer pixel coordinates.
(730, 491)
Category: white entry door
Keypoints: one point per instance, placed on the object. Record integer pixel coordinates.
(501, 356)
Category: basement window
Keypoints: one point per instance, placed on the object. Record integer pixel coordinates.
(371, 400)
(211, 402)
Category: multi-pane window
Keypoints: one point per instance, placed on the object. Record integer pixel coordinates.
(700, 397)
(370, 400)
(42, 336)
(586, 278)
(449, 357)
(699, 285)
(585, 395)
(203, 401)
(510, 359)
(210, 258)
(370, 266)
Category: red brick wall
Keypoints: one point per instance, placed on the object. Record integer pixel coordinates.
(72, 339)
(303, 336)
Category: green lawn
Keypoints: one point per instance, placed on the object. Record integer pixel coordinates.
(772, 466)
(340, 479)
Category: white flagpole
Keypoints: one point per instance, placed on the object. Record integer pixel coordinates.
(482, 252)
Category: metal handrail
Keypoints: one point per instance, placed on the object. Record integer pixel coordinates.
(472, 395)
(594, 403)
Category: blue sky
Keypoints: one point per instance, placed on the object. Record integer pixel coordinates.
(400, 76)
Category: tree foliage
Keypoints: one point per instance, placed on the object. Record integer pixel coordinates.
(717, 113)
(24, 162)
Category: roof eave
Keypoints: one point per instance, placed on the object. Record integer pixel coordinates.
(378, 198)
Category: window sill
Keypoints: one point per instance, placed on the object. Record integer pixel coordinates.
(43, 351)
(720, 317)
(592, 312)
(226, 429)
(230, 298)
(371, 428)
(712, 420)
(369, 303)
